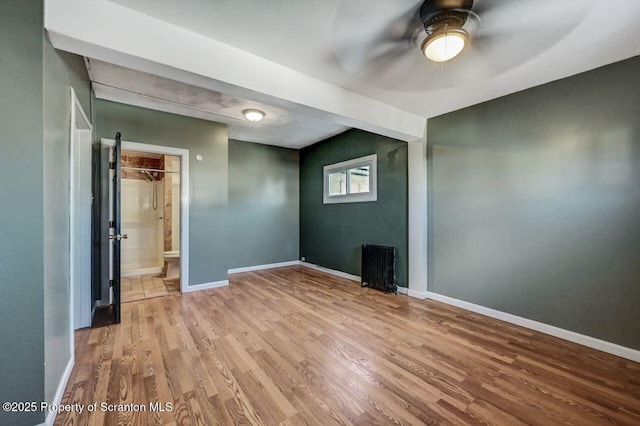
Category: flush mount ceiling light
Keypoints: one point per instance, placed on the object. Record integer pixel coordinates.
(253, 114)
(443, 21)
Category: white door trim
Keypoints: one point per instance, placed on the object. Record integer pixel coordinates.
(79, 291)
(418, 224)
(184, 199)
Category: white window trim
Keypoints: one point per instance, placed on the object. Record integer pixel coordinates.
(362, 197)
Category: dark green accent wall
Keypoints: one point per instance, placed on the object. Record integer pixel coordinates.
(21, 209)
(331, 235)
(208, 179)
(264, 225)
(534, 204)
(62, 70)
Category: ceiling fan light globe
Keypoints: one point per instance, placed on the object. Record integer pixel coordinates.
(444, 46)
(253, 114)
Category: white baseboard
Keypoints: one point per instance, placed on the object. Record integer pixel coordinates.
(57, 399)
(261, 267)
(144, 271)
(205, 286)
(572, 336)
(400, 290)
(418, 294)
(331, 271)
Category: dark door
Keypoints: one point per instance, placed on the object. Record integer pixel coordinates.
(116, 235)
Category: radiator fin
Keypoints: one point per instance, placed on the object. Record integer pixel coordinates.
(379, 267)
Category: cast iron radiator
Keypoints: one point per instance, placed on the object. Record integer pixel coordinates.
(379, 267)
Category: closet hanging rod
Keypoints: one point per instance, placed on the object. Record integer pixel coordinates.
(149, 170)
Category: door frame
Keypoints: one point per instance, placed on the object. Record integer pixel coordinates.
(183, 153)
(80, 132)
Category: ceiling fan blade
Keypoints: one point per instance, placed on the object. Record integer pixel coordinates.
(517, 16)
(500, 54)
(410, 71)
(394, 70)
(387, 23)
(358, 51)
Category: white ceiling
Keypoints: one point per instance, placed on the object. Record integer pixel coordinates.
(343, 63)
(287, 128)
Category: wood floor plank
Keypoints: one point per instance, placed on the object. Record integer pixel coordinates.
(295, 346)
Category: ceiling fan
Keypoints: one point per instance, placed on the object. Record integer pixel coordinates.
(385, 42)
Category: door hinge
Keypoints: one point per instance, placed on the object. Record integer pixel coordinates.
(110, 283)
(112, 224)
(112, 165)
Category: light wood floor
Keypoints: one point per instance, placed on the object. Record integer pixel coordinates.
(296, 346)
(146, 287)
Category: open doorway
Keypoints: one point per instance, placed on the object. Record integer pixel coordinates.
(113, 236)
(150, 220)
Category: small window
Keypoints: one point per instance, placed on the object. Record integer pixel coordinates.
(351, 181)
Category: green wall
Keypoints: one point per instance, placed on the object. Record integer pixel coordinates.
(534, 203)
(21, 209)
(208, 182)
(264, 205)
(331, 235)
(35, 110)
(61, 71)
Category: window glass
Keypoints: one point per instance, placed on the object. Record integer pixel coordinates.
(338, 183)
(359, 180)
